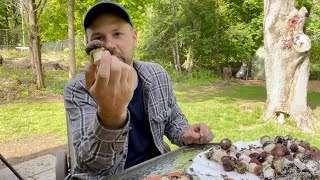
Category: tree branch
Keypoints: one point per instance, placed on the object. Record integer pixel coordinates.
(40, 7)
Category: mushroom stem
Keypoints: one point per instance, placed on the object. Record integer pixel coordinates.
(255, 169)
(216, 154)
(96, 55)
(268, 173)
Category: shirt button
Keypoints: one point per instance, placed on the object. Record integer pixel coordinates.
(124, 133)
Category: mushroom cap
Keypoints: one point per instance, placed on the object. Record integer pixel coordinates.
(305, 145)
(294, 147)
(95, 44)
(279, 150)
(225, 143)
(264, 139)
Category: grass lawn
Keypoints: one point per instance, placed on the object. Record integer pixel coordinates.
(235, 111)
(231, 111)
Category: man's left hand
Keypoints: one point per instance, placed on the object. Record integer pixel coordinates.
(198, 134)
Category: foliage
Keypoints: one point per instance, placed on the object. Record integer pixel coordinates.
(228, 31)
(234, 38)
(54, 21)
(9, 15)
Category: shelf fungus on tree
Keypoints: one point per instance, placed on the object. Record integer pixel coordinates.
(95, 49)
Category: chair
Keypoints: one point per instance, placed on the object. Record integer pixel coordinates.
(65, 161)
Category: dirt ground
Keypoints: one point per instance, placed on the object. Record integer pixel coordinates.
(19, 151)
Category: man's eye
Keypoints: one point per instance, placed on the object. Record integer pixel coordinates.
(97, 38)
(117, 34)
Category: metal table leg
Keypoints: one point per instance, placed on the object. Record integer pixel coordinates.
(10, 167)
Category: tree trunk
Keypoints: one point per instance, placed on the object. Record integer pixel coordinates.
(176, 42)
(35, 51)
(217, 38)
(287, 64)
(72, 60)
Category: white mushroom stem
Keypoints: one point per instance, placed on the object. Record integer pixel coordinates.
(96, 54)
(259, 150)
(269, 147)
(255, 169)
(232, 149)
(247, 152)
(216, 154)
(301, 149)
(245, 158)
(268, 172)
(269, 159)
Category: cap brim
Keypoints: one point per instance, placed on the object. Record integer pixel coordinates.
(105, 7)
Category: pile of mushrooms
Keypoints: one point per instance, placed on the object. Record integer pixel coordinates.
(280, 158)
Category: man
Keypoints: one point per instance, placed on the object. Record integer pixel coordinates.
(120, 109)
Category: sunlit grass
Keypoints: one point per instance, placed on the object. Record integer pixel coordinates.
(235, 112)
(22, 120)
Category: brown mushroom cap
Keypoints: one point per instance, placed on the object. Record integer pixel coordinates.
(225, 143)
(241, 167)
(95, 44)
(279, 150)
(305, 145)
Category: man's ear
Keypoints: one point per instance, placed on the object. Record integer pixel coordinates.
(135, 38)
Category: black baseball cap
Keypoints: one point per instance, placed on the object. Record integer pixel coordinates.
(106, 7)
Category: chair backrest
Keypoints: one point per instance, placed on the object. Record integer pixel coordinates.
(71, 150)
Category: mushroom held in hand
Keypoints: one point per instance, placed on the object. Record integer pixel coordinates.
(95, 49)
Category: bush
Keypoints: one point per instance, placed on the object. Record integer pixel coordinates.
(315, 72)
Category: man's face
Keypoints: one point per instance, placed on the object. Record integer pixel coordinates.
(119, 37)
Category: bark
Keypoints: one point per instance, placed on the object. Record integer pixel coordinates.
(35, 50)
(217, 38)
(176, 41)
(174, 56)
(72, 60)
(286, 68)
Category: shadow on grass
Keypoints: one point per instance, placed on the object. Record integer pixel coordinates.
(227, 94)
(230, 94)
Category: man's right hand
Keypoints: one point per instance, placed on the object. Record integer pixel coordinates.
(112, 87)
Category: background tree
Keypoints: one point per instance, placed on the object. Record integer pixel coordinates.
(71, 38)
(34, 11)
(217, 32)
(287, 63)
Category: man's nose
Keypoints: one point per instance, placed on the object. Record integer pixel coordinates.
(110, 45)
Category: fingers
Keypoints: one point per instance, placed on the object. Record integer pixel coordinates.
(198, 134)
(103, 73)
(206, 134)
(191, 137)
(90, 75)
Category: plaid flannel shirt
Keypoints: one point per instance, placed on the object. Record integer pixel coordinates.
(101, 152)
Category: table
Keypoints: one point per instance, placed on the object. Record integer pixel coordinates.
(175, 161)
